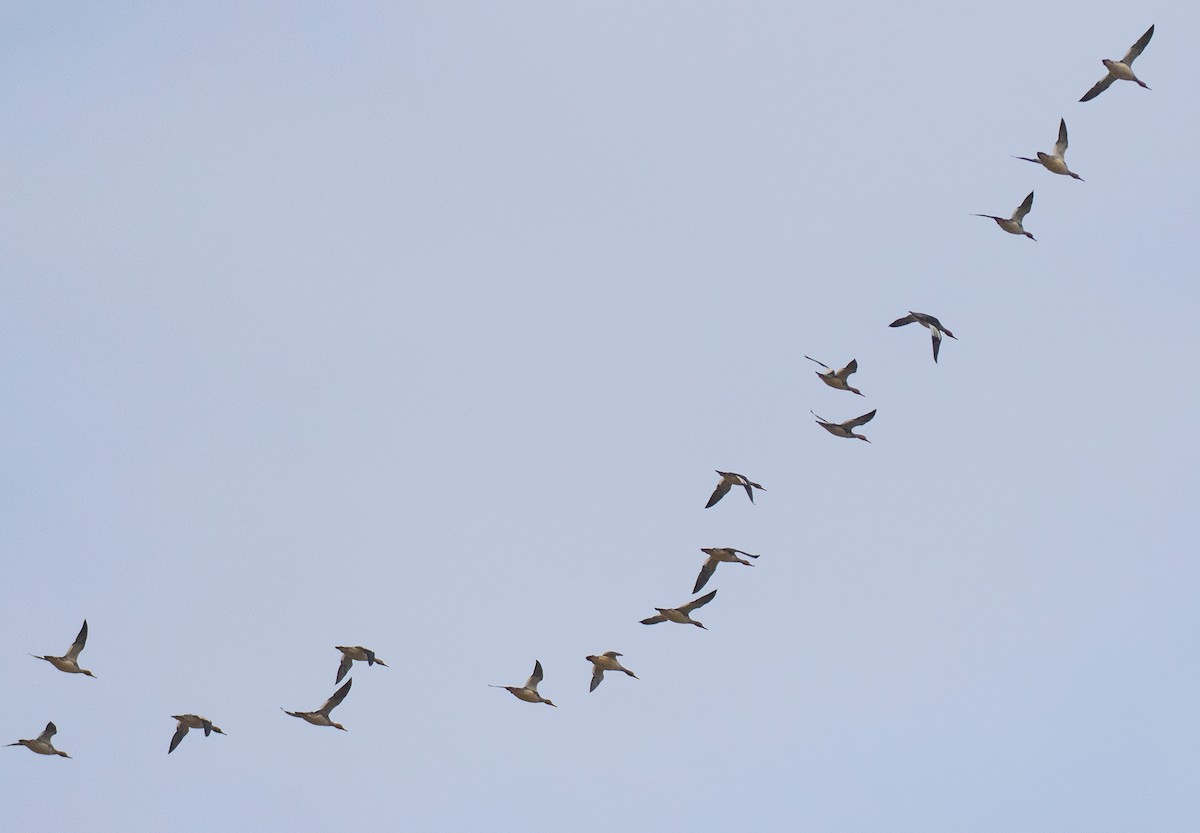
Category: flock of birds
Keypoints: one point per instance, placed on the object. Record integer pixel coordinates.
(610, 660)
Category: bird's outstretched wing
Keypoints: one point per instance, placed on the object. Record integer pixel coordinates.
(1137, 48)
(700, 602)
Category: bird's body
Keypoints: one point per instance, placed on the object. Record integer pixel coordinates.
(1121, 70)
(839, 378)
(846, 429)
(41, 744)
(528, 692)
(936, 330)
(356, 652)
(69, 662)
(191, 721)
(321, 716)
(715, 556)
(1055, 163)
(606, 662)
(728, 480)
(682, 614)
(1014, 224)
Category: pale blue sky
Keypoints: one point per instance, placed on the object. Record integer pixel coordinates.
(423, 326)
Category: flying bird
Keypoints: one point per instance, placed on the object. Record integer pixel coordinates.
(528, 692)
(357, 652)
(845, 429)
(936, 330)
(606, 662)
(728, 480)
(1055, 163)
(1122, 69)
(69, 661)
(839, 378)
(715, 556)
(41, 744)
(1013, 224)
(321, 716)
(681, 614)
(191, 721)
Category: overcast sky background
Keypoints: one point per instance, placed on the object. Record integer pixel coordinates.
(423, 326)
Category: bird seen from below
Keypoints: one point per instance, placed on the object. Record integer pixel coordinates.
(715, 556)
(935, 327)
(191, 721)
(1121, 70)
(321, 716)
(681, 614)
(69, 662)
(528, 692)
(1055, 163)
(1013, 224)
(846, 429)
(840, 378)
(728, 480)
(605, 662)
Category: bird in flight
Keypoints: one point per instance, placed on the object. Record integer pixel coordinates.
(321, 716)
(358, 652)
(681, 614)
(191, 721)
(606, 662)
(936, 330)
(840, 378)
(728, 480)
(528, 692)
(1055, 163)
(41, 744)
(715, 556)
(69, 661)
(1122, 69)
(1013, 224)
(845, 429)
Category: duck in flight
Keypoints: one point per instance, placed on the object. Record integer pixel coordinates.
(1055, 163)
(1013, 224)
(936, 330)
(191, 721)
(528, 692)
(840, 378)
(715, 556)
(1122, 69)
(41, 744)
(681, 614)
(606, 662)
(357, 652)
(69, 662)
(846, 429)
(728, 480)
(321, 716)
